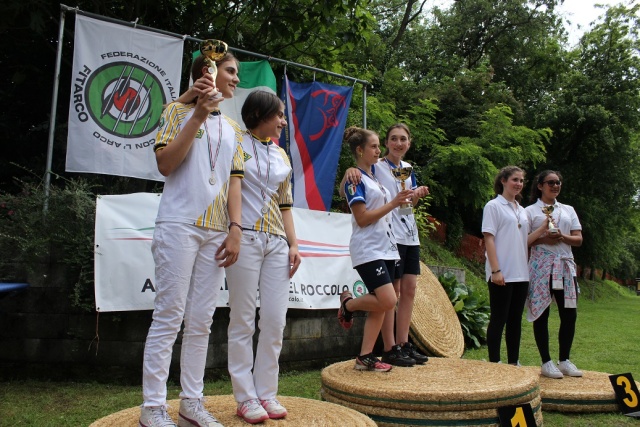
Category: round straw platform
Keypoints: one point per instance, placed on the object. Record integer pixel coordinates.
(590, 393)
(385, 417)
(435, 328)
(301, 412)
(442, 392)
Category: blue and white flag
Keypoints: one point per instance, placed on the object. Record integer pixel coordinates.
(316, 115)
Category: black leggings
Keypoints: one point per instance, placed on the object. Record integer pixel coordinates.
(507, 306)
(567, 330)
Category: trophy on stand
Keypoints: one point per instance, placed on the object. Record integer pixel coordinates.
(401, 174)
(548, 210)
(213, 50)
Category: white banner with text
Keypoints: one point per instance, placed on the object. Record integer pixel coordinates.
(124, 268)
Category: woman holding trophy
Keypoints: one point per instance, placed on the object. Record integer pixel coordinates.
(373, 246)
(198, 151)
(396, 175)
(552, 271)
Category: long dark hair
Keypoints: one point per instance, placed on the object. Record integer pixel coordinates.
(504, 174)
(535, 191)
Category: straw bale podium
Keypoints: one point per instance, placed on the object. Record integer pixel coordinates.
(590, 393)
(302, 412)
(447, 390)
(442, 392)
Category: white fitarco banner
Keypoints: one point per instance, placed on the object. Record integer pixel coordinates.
(124, 268)
(121, 79)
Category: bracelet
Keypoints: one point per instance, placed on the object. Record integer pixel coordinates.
(497, 271)
(235, 224)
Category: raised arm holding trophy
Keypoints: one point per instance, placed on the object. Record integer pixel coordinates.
(197, 233)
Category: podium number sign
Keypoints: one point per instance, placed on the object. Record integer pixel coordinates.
(516, 416)
(626, 392)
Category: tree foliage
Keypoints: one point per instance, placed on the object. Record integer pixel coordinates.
(596, 113)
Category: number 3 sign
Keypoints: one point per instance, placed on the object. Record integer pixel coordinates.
(627, 394)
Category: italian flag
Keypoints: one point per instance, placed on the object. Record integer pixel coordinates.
(254, 75)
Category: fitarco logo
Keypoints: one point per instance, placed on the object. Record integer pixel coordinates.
(125, 100)
(359, 288)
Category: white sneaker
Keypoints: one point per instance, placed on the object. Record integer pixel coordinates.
(274, 408)
(550, 370)
(569, 369)
(192, 413)
(155, 416)
(252, 411)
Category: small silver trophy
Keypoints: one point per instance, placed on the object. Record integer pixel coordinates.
(401, 174)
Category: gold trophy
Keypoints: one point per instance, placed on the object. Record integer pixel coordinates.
(401, 174)
(548, 210)
(213, 50)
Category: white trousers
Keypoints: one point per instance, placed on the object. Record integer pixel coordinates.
(188, 281)
(263, 265)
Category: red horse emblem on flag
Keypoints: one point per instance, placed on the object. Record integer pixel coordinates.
(330, 115)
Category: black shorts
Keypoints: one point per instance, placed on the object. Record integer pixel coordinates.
(376, 273)
(409, 261)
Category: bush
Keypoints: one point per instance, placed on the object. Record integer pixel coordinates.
(472, 309)
(33, 244)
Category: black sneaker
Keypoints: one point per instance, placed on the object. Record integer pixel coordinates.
(397, 357)
(411, 351)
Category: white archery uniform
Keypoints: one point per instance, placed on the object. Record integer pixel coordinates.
(191, 225)
(263, 266)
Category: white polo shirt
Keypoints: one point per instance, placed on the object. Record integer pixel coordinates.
(501, 219)
(374, 241)
(188, 196)
(266, 183)
(565, 218)
(404, 226)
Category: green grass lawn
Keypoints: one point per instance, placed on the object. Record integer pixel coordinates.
(606, 340)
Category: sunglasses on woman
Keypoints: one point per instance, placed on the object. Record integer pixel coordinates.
(551, 183)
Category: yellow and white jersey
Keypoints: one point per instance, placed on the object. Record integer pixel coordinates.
(196, 192)
(266, 187)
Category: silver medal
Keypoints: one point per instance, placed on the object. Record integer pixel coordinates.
(264, 210)
(212, 180)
